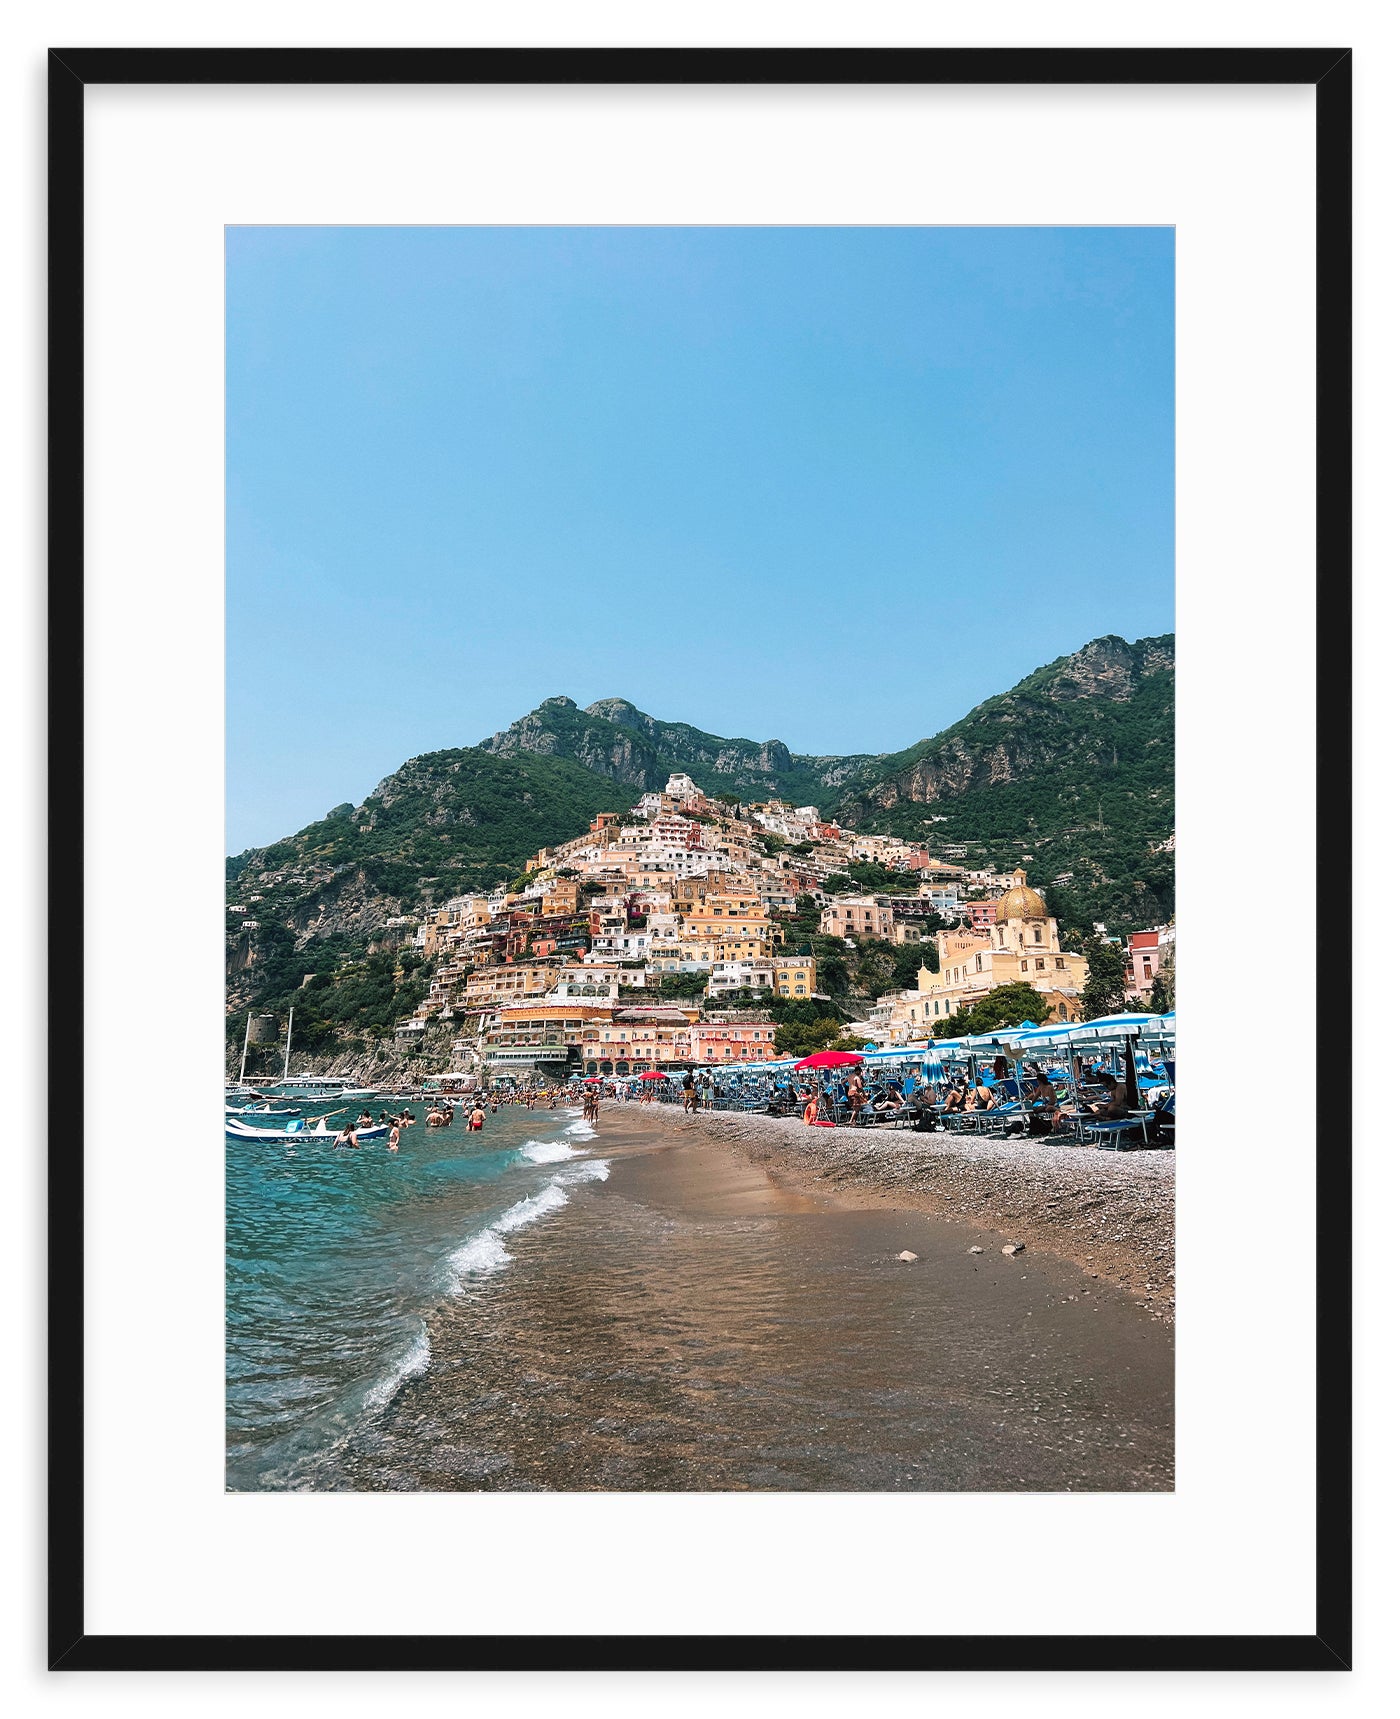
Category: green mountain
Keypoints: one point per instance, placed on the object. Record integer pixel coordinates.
(614, 739)
(442, 825)
(1069, 773)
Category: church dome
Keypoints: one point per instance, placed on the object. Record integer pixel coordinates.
(1021, 902)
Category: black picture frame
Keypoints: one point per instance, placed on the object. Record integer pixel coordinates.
(71, 70)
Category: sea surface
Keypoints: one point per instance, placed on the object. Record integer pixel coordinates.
(546, 1309)
(336, 1260)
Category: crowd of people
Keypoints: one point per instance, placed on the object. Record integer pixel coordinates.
(474, 1107)
(1097, 1094)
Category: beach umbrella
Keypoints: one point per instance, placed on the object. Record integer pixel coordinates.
(651, 1074)
(830, 1059)
(1118, 1023)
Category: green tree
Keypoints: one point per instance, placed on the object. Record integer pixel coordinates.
(1003, 1006)
(1104, 986)
(802, 1038)
(671, 985)
(1163, 998)
(832, 973)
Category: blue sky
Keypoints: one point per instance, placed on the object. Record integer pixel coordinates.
(827, 485)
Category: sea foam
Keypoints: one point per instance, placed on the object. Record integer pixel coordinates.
(548, 1151)
(582, 1130)
(485, 1253)
(591, 1170)
(409, 1365)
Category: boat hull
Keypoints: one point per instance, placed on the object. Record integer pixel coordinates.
(293, 1136)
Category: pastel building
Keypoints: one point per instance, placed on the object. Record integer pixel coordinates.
(1147, 953)
(1021, 947)
(858, 916)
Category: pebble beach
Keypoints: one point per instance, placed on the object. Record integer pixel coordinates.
(1110, 1213)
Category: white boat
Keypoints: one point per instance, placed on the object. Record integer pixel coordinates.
(255, 1110)
(316, 1087)
(297, 1131)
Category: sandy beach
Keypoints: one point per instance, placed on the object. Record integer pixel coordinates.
(1110, 1213)
(716, 1310)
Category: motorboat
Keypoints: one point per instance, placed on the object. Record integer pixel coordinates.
(299, 1130)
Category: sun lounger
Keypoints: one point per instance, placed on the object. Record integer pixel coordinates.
(1116, 1133)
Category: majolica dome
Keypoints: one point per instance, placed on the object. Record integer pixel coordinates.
(1021, 901)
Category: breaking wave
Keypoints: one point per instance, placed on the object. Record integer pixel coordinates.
(484, 1254)
(409, 1365)
(548, 1151)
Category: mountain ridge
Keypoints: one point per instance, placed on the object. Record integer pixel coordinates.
(1069, 772)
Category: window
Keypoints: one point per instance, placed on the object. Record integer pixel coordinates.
(1037, 934)
(1040, 966)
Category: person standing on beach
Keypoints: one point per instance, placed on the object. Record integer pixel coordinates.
(688, 1092)
(855, 1093)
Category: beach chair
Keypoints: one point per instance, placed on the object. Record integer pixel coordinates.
(1161, 1125)
(1116, 1134)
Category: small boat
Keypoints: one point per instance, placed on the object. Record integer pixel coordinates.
(255, 1110)
(316, 1087)
(236, 1130)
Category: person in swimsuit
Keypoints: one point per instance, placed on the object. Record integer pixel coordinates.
(347, 1137)
(957, 1099)
(394, 1138)
(478, 1118)
(1044, 1104)
(983, 1097)
(1114, 1106)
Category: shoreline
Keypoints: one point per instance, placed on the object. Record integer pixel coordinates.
(1112, 1214)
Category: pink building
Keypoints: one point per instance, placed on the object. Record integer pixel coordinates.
(981, 915)
(1145, 954)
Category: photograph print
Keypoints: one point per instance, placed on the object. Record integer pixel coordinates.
(701, 933)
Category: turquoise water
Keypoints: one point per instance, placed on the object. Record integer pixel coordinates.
(336, 1259)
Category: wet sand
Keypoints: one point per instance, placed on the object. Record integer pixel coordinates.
(697, 1322)
(1111, 1213)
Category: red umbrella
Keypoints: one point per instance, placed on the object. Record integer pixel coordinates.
(830, 1059)
(651, 1074)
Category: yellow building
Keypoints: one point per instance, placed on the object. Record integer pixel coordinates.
(735, 947)
(562, 896)
(795, 976)
(1023, 947)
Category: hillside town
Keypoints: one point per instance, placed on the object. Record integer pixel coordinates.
(672, 939)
